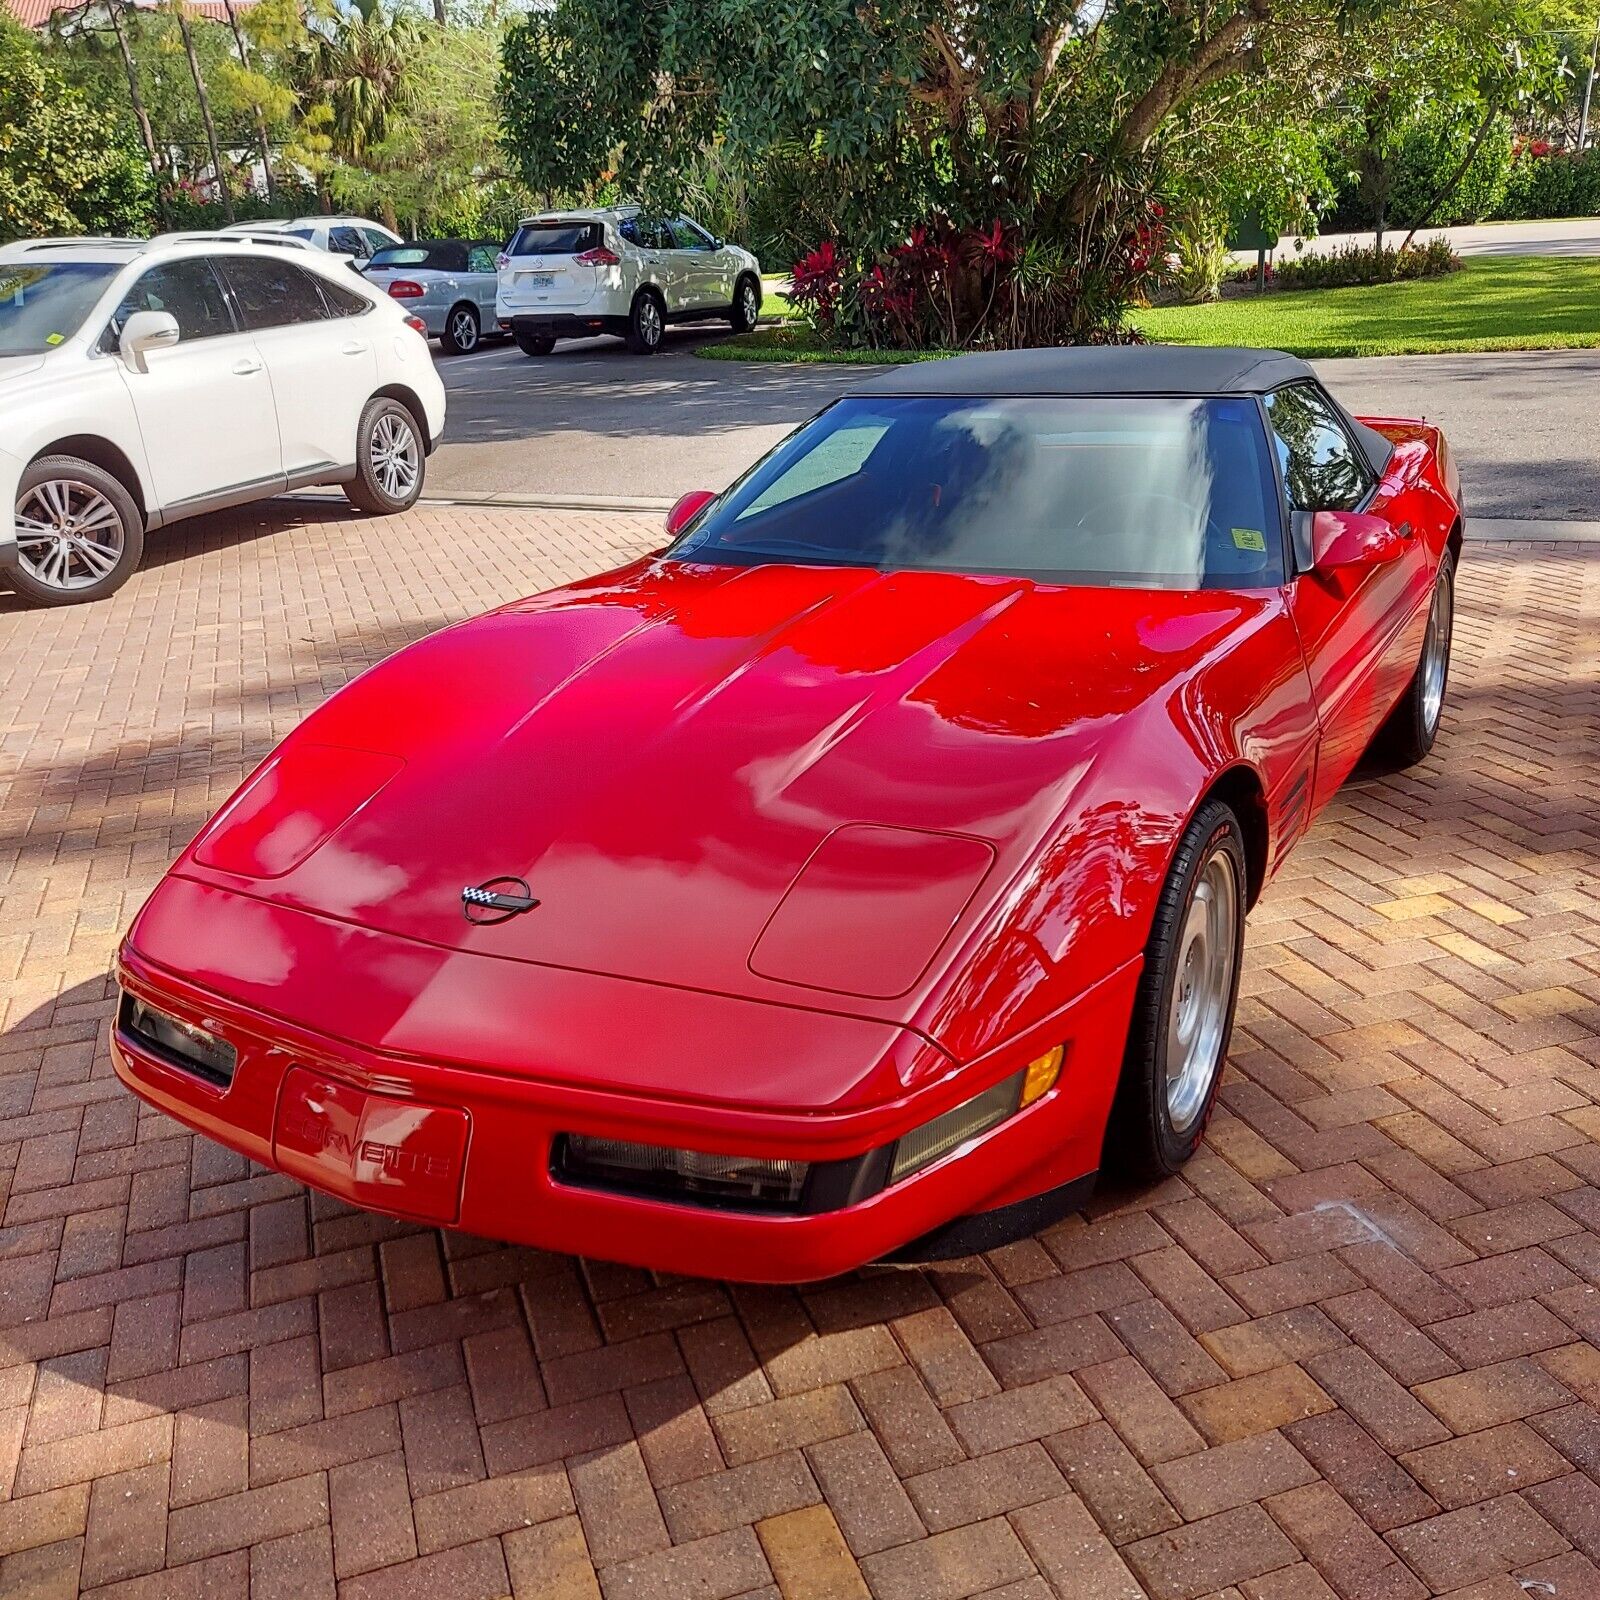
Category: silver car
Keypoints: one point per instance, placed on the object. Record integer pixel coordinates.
(448, 283)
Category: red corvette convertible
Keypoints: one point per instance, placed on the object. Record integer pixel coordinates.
(854, 877)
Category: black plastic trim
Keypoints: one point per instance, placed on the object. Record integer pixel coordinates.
(988, 1230)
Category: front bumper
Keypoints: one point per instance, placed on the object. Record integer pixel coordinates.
(472, 1147)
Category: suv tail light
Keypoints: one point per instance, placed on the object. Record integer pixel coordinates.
(502, 261)
(599, 257)
(418, 324)
(405, 289)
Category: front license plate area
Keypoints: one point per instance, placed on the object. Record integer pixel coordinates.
(394, 1155)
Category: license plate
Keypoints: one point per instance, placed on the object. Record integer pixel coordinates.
(538, 280)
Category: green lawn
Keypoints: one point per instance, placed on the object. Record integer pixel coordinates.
(1492, 303)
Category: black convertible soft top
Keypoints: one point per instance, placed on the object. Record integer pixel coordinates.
(1090, 370)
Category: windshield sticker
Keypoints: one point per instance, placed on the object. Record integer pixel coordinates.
(54, 338)
(1249, 539)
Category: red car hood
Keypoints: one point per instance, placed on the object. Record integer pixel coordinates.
(660, 753)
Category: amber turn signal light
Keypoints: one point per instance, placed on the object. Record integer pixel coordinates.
(1041, 1074)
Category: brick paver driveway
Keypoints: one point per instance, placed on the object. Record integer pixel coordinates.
(1349, 1353)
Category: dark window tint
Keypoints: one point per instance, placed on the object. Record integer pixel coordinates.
(647, 233)
(342, 302)
(1322, 469)
(348, 242)
(1146, 493)
(188, 290)
(555, 238)
(686, 236)
(273, 294)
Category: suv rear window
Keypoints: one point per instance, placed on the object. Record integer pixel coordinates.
(556, 238)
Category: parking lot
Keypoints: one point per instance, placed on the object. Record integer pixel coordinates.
(1350, 1352)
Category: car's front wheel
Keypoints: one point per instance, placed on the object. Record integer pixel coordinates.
(462, 331)
(390, 459)
(1183, 1010)
(746, 310)
(533, 344)
(1413, 725)
(647, 323)
(79, 533)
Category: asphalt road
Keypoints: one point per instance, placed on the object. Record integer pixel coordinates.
(594, 421)
(1557, 236)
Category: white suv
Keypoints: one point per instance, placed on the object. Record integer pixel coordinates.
(144, 383)
(573, 274)
(357, 237)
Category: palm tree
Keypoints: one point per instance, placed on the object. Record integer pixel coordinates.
(365, 67)
(205, 107)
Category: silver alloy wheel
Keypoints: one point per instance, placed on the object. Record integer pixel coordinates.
(1436, 652)
(464, 329)
(69, 535)
(650, 321)
(1197, 1018)
(749, 306)
(394, 455)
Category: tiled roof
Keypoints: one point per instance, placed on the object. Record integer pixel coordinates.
(36, 13)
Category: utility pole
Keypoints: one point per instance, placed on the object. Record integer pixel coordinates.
(1588, 90)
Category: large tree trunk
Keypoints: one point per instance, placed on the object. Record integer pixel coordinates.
(261, 121)
(438, 12)
(140, 115)
(205, 108)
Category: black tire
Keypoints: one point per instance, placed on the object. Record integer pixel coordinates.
(746, 309)
(1144, 1140)
(463, 330)
(647, 322)
(1413, 725)
(80, 499)
(380, 485)
(533, 344)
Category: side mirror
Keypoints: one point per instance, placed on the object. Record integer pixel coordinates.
(689, 507)
(1341, 540)
(143, 332)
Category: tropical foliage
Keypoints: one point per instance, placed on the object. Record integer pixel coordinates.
(67, 167)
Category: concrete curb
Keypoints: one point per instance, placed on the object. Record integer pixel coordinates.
(1509, 530)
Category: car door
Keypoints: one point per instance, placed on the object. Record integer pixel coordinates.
(317, 340)
(657, 259)
(204, 406)
(1350, 623)
(701, 264)
(481, 279)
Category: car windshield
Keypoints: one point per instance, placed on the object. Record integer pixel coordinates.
(43, 304)
(1146, 492)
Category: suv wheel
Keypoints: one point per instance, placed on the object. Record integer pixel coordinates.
(746, 305)
(647, 322)
(390, 460)
(79, 534)
(533, 344)
(462, 331)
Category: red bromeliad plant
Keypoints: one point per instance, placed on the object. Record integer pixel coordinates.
(948, 287)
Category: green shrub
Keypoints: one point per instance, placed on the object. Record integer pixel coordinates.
(1552, 183)
(1428, 159)
(1359, 264)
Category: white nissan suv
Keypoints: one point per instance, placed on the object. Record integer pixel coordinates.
(141, 383)
(573, 274)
